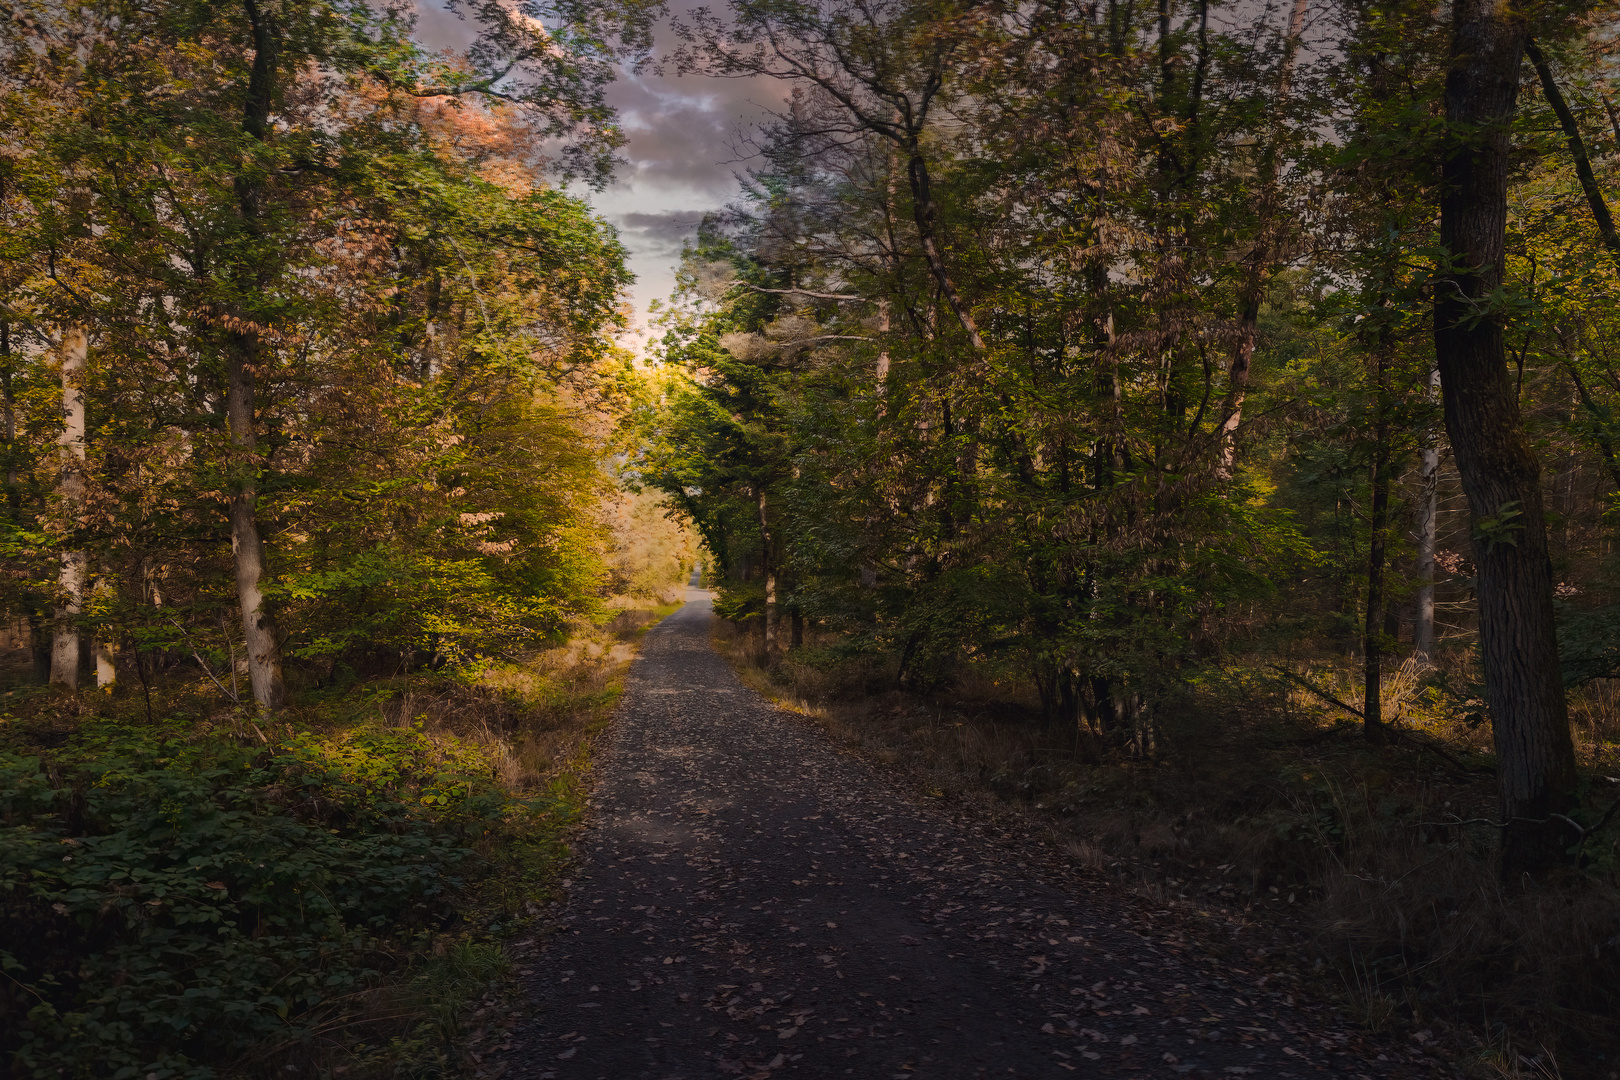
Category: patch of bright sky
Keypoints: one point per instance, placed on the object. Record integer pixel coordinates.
(682, 158)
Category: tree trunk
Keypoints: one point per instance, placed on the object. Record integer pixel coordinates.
(258, 627)
(1498, 467)
(1427, 524)
(1372, 715)
(65, 636)
(244, 354)
(1577, 151)
(10, 416)
(106, 664)
(1258, 274)
(924, 212)
(66, 653)
(769, 567)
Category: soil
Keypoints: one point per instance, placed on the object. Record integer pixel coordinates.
(752, 901)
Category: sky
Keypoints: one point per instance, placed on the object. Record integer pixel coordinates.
(682, 158)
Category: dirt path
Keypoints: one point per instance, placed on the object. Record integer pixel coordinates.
(753, 902)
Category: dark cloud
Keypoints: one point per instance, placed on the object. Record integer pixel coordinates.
(663, 233)
(689, 131)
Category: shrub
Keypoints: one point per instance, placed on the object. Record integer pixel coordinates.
(171, 902)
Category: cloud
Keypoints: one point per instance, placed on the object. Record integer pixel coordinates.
(688, 132)
(661, 233)
(686, 146)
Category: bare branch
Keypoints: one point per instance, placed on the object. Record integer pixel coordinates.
(799, 292)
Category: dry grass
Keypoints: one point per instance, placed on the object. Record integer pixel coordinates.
(1261, 796)
(534, 716)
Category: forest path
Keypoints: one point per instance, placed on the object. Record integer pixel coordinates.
(753, 902)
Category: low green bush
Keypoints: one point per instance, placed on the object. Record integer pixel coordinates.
(173, 904)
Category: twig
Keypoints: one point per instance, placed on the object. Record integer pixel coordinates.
(1571, 822)
(206, 669)
(1604, 820)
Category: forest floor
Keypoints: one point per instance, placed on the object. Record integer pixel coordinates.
(752, 901)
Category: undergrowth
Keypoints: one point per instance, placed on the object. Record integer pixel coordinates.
(207, 894)
(1258, 798)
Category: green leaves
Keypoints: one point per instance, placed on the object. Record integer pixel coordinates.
(171, 903)
(1501, 528)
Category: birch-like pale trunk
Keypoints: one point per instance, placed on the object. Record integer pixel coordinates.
(74, 350)
(245, 353)
(259, 629)
(105, 649)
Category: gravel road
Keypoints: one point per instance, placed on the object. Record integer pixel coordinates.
(752, 901)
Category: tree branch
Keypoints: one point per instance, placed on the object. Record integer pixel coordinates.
(1577, 149)
(799, 292)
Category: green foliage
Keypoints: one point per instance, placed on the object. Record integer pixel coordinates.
(173, 901)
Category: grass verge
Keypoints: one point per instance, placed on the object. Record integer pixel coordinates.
(207, 895)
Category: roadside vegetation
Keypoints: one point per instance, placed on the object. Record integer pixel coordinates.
(329, 892)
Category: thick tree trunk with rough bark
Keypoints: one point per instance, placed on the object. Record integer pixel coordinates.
(1498, 467)
(65, 636)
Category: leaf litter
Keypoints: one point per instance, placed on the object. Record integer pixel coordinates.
(752, 901)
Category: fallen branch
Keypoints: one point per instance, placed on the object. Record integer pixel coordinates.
(1318, 691)
(1422, 744)
(1583, 831)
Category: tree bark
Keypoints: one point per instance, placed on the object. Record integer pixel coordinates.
(10, 415)
(106, 656)
(1427, 526)
(244, 354)
(258, 627)
(1372, 715)
(1499, 471)
(768, 565)
(66, 652)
